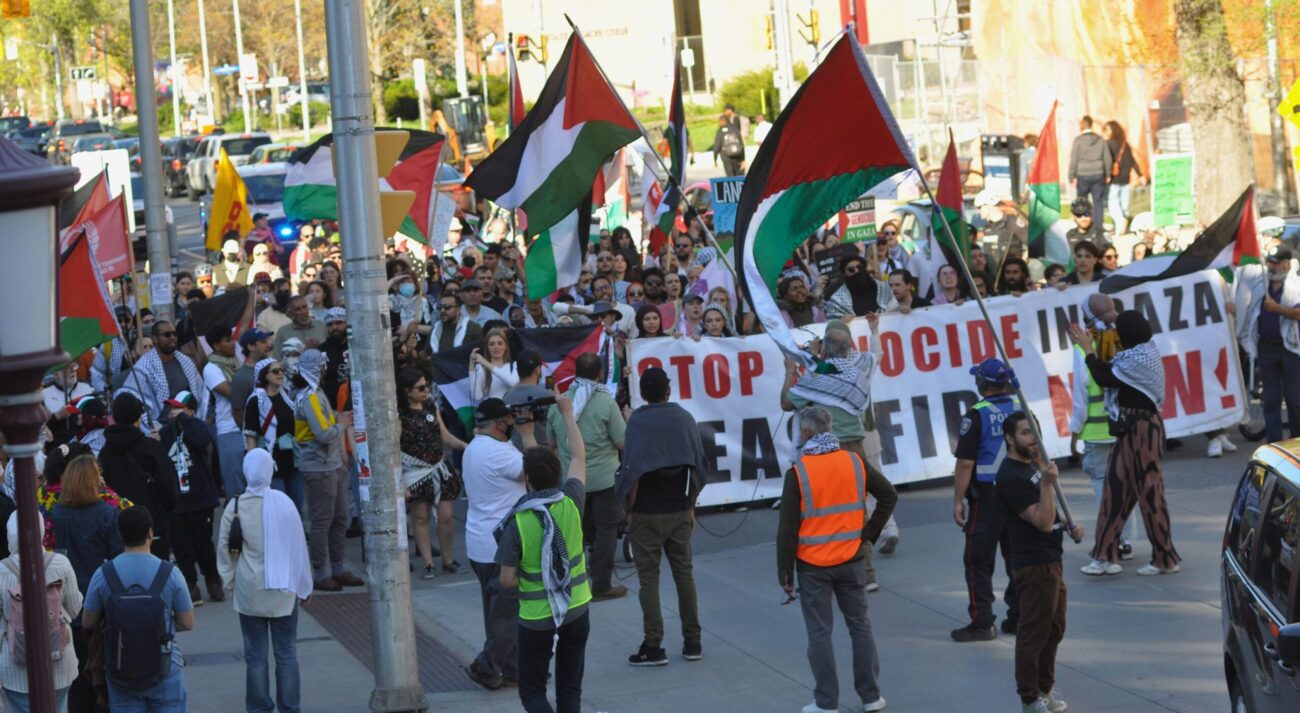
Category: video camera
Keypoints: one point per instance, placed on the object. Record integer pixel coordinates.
(531, 409)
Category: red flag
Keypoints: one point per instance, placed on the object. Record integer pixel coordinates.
(516, 108)
(84, 203)
(85, 312)
(106, 233)
(1245, 247)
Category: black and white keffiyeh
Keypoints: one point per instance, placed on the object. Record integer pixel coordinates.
(842, 382)
(821, 444)
(152, 382)
(264, 409)
(557, 576)
(1141, 368)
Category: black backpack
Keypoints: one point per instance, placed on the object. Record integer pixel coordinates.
(137, 644)
(732, 145)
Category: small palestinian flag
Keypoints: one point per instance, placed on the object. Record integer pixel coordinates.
(548, 164)
(1045, 199)
(559, 347)
(86, 317)
(1229, 241)
(675, 136)
(310, 191)
(948, 204)
(516, 108)
(833, 142)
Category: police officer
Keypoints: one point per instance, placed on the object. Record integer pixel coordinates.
(980, 450)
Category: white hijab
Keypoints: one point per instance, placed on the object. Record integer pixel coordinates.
(284, 548)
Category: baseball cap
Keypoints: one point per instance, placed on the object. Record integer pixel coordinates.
(336, 314)
(183, 399)
(454, 224)
(1081, 206)
(122, 312)
(527, 361)
(1270, 225)
(230, 248)
(655, 378)
(692, 296)
(1278, 253)
(602, 307)
(470, 284)
(252, 336)
(993, 371)
(259, 216)
(490, 410)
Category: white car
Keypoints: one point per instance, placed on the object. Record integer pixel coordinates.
(265, 183)
(201, 171)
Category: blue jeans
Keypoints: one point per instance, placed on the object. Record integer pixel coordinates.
(230, 452)
(292, 485)
(257, 679)
(18, 703)
(1117, 205)
(1279, 372)
(166, 697)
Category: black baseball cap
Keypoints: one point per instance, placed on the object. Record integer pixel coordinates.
(527, 361)
(1081, 206)
(490, 410)
(1278, 253)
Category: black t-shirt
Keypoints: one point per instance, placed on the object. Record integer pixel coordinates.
(968, 441)
(1018, 487)
(663, 491)
(176, 380)
(283, 419)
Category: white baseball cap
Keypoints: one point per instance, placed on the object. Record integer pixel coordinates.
(230, 248)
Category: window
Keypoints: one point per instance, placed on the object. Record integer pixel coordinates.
(1279, 542)
(1245, 514)
(243, 147)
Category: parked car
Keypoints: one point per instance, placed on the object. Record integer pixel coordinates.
(59, 147)
(1259, 578)
(14, 123)
(316, 92)
(31, 140)
(92, 142)
(273, 153)
(201, 172)
(176, 153)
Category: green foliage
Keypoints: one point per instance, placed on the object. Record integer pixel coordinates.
(401, 100)
(755, 92)
(317, 113)
(234, 121)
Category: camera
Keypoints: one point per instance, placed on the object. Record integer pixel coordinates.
(532, 409)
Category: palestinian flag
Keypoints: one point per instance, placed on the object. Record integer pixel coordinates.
(1228, 242)
(1045, 199)
(85, 202)
(86, 317)
(948, 205)
(548, 164)
(665, 212)
(559, 347)
(610, 191)
(109, 242)
(556, 257)
(516, 110)
(310, 191)
(833, 142)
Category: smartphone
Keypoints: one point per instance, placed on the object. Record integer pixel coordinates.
(550, 382)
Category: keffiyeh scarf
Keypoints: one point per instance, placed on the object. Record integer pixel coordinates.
(557, 577)
(843, 383)
(153, 382)
(410, 309)
(1141, 368)
(820, 445)
(264, 410)
(435, 338)
(580, 392)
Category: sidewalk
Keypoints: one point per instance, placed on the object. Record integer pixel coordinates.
(1133, 644)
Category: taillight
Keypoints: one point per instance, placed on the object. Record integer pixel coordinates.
(176, 164)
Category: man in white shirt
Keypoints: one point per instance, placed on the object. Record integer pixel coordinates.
(493, 471)
(218, 374)
(65, 391)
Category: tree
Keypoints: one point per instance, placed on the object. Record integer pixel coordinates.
(401, 30)
(1215, 99)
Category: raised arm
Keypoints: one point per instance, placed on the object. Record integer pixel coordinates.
(577, 449)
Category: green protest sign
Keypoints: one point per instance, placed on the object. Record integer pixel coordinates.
(1173, 195)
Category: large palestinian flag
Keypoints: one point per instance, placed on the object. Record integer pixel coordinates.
(86, 317)
(834, 141)
(549, 162)
(310, 191)
(1229, 241)
(559, 347)
(1045, 199)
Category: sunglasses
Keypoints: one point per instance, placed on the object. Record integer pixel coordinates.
(683, 247)
(445, 308)
(889, 233)
(635, 294)
(421, 387)
(275, 370)
(167, 334)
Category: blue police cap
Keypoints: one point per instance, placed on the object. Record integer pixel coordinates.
(993, 371)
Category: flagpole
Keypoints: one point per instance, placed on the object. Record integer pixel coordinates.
(997, 342)
(663, 165)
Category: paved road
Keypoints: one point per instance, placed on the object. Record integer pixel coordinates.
(1133, 644)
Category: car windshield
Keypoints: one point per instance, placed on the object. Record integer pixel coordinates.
(88, 143)
(243, 147)
(265, 188)
(85, 127)
(9, 123)
(281, 154)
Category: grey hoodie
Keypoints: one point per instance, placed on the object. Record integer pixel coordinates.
(1090, 156)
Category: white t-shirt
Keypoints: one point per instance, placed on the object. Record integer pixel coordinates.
(56, 398)
(493, 472)
(213, 377)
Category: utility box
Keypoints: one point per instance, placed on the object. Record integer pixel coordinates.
(1004, 172)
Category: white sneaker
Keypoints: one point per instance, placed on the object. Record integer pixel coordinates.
(1228, 445)
(876, 705)
(814, 708)
(873, 586)
(1038, 706)
(889, 544)
(1097, 568)
(1150, 570)
(1054, 704)
(1215, 449)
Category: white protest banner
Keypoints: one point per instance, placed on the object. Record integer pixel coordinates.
(923, 385)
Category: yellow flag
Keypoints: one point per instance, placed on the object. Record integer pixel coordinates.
(1290, 106)
(229, 205)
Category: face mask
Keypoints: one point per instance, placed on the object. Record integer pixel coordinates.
(290, 365)
(406, 289)
(232, 259)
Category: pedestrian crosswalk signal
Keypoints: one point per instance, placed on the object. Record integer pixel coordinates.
(15, 8)
(522, 49)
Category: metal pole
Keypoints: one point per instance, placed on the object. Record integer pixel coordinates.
(58, 75)
(302, 75)
(690, 71)
(784, 57)
(397, 680)
(146, 106)
(462, 73)
(207, 68)
(40, 678)
(1276, 130)
(243, 88)
(175, 71)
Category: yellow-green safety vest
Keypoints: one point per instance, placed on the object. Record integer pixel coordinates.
(533, 604)
(1096, 428)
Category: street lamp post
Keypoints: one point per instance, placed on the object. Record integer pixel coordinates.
(30, 191)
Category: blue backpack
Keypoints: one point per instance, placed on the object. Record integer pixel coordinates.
(137, 643)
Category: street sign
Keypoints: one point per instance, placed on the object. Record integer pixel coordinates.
(248, 67)
(226, 70)
(1290, 106)
(688, 57)
(420, 69)
(253, 86)
(87, 72)
(277, 82)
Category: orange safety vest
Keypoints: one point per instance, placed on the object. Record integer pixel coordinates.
(833, 507)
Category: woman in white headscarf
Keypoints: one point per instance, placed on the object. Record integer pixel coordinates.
(270, 574)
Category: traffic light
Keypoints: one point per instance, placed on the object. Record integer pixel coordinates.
(15, 8)
(813, 23)
(523, 51)
(543, 52)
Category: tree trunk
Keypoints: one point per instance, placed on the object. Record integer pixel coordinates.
(377, 79)
(1215, 99)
